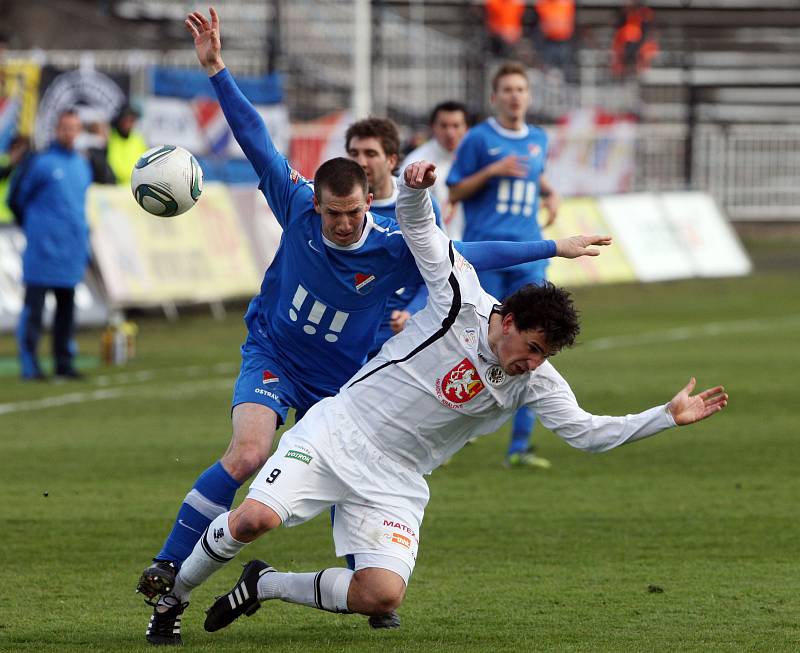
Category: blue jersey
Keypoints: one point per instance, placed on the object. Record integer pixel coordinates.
(320, 304)
(506, 207)
(410, 298)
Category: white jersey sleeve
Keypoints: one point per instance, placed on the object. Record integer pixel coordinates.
(437, 260)
(557, 408)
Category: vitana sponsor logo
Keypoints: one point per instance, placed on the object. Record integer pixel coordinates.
(298, 455)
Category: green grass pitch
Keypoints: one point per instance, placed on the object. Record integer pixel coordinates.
(684, 542)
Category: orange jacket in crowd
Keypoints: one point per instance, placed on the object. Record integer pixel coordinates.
(504, 18)
(556, 19)
(634, 34)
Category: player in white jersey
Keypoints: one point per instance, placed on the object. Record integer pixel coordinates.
(459, 369)
(449, 122)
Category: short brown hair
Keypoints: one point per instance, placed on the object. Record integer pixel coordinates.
(340, 176)
(383, 129)
(508, 68)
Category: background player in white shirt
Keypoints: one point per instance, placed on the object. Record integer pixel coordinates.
(449, 122)
(459, 369)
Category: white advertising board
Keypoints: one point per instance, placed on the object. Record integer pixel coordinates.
(708, 238)
(651, 244)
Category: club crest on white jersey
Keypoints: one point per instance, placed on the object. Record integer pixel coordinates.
(459, 385)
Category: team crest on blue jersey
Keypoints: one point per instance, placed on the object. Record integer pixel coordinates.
(534, 149)
(269, 377)
(363, 283)
(295, 176)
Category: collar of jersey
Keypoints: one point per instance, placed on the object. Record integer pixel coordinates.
(387, 201)
(368, 223)
(522, 132)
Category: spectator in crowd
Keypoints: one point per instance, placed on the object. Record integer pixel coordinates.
(498, 173)
(634, 45)
(97, 133)
(504, 25)
(125, 144)
(18, 152)
(48, 195)
(556, 25)
(449, 122)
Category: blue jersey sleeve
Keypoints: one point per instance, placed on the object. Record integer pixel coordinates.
(467, 158)
(282, 186)
(499, 254)
(437, 212)
(417, 302)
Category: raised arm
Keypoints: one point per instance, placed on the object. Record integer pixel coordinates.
(246, 123)
(433, 253)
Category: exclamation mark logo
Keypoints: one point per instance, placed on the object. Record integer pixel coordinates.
(317, 311)
(297, 301)
(337, 324)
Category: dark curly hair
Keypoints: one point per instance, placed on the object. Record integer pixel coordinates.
(547, 308)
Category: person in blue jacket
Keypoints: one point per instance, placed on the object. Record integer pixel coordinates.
(48, 196)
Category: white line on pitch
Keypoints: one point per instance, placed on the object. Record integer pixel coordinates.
(175, 390)
(702, 330)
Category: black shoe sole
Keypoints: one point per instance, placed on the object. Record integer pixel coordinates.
(153, 585)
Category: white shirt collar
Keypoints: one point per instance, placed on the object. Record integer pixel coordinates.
(387, 201)
(522, 132)
(368, 224)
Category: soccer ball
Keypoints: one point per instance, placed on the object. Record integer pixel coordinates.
(166, 180)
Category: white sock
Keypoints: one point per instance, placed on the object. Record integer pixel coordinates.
(326, 589)
(214, 548)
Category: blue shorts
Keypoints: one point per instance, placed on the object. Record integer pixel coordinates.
(265, 381)
(501, 283)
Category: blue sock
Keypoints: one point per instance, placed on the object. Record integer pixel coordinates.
(524, 420)
(212, 494)
(349, 558)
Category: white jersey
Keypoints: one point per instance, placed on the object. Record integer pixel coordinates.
(437, 383)
(452, 215)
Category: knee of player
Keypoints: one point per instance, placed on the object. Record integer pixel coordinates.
(251, 520)
(382, 594)
(242, 460)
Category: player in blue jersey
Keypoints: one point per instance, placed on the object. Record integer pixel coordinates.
(321, 301)
(374, 143)
(498, 175)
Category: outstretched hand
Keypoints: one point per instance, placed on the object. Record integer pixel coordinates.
(576, 246)
(688, 409)
(207, 43)
(419, 175)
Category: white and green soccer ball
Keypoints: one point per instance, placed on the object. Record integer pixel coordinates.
(167, 180)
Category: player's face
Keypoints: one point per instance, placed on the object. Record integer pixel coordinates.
(449, 128)
(370, 155)
(512, 98)
(343, 216)
(520, 352)
(68, 129)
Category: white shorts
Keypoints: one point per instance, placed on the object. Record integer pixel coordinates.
(325, 460)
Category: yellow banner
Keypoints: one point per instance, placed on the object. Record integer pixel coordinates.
(201, 255)
(20, 79)
(582, 216)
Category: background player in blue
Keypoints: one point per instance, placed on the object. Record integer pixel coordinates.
(374, 143)
(324, 291)
(498, 175)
